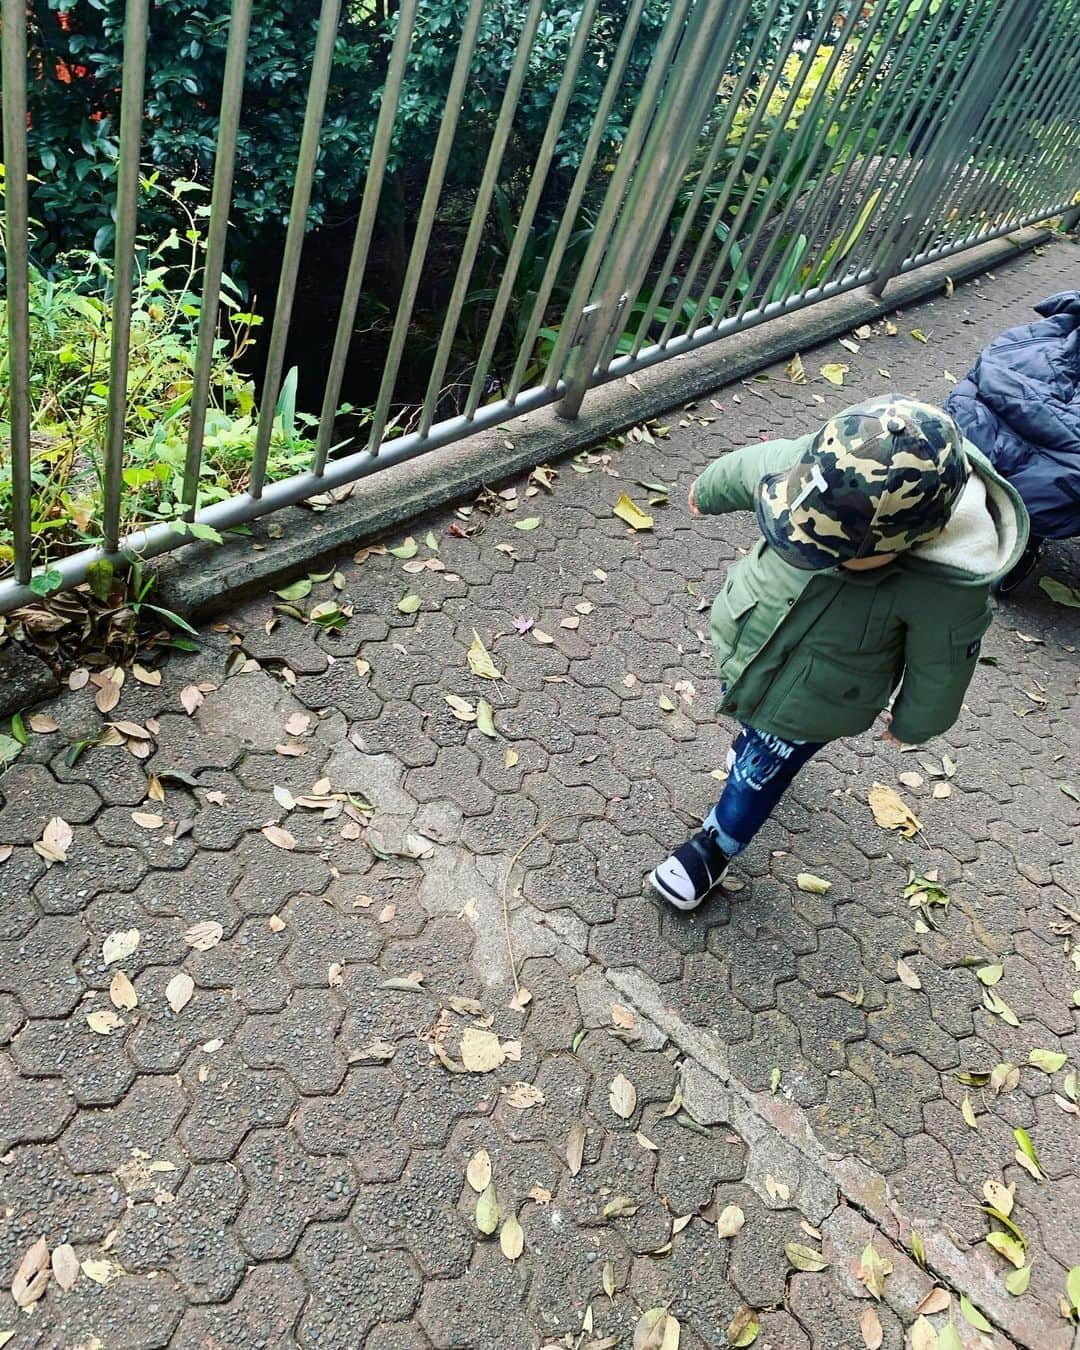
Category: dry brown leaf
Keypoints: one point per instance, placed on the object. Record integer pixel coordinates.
(910, 780)
(335, 974)
(119, 946)
(874, 1270)
(478, 1172)
(481, 1050)
(55, 841)
(202, 936)
(544, 639)
(890, 811)
(104, 1021)
(32, 1275)
(191, 699)
(907, 975)
(122, 992)
(522, 1096)
(923, 1336)
(107, 696)
(276, 923)
(65, 1266)
(575, 1147)
(622, 1096)
(279, 837)
(777, 1189)
(730, 1221)
(656, 1329)
(144, 676)
(511, 1238)
(936, 1301)
(6, 850)
(623, 1017)
(42, 723)
(146, 820)
(873, 1333)
(941, 790)
(298, 724)
(179, 991)
(79, 678)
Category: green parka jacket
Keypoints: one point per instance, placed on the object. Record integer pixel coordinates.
(813, 656)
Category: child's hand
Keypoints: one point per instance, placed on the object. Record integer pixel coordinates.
(690, 500)
(887, 735)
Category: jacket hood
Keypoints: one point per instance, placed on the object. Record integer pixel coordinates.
(986, 533)
(1065, 302)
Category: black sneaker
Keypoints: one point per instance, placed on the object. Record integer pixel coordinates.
(691, 872)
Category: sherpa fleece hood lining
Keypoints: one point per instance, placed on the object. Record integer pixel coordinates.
(981, 535)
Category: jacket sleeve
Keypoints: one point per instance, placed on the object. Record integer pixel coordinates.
(729, 482)
(939, 661)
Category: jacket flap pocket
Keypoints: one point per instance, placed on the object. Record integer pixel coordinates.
(969, 633)
(739, 599)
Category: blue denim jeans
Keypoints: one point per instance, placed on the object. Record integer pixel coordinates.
(762, 768)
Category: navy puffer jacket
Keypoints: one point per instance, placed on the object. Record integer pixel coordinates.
(1020, 404)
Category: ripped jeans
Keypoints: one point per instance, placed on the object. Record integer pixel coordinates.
(762, 768)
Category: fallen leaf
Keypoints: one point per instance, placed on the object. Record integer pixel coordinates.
(276, 923)
(1072, 1287)
(923, 1336)
(478, 1172)
(941, 791)
(179, 991)
(122, 992)
(834, 372)
(485, 718)
(796, 371)
(646, 1142)
(487, 1210)
(65, 1266)
(1007, 1246)
(146, 820)
(936, 1301)
(100, 1271)
(104, 1021)
(144, 676)
(891, 813)
(511, 1238)
(335, 975)
(529, 523)
(974, 1316)
(968, 1112)
(626, 510)
(32, 1275)
(575, 1147)
(873, 1271)
(623, 1017)
(1049, 1061)
(622, 1096)
(480, 662)
(376, 1049)
(1017, 1281)
(656, 1329)
(1003, 1078)
(744, 1329)
(1060, 593)
(406, 549)
(608, 1279)
(870, 1327)
(777, 1190)
(730, 1220)
(512, 758)
(481, 1051)
(202, 936)
(544, 639)
(1025, 1154)
(522, 1096)
(999, 1196)
(119, 946)
(79, 678)
(278, 836)
(812, 885)
(919, 335)
(55, 841)
(805, 1258)
(42, 723)
(462, 709)
(192, 699)
(989, 975)
(907, 975)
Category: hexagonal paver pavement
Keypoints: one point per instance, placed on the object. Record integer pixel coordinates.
(262, 1045)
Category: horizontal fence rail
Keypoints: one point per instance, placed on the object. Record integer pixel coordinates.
(592, 190)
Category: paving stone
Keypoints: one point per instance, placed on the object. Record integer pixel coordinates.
(31, 1110)
(353, 1288)
(416, 1211)
(32, 796)
(299, 1040)
(260, 1316)
(450, 1310)
(39, 969)
(95, 1069)
(146, 1120)
(358, 1122)
(39, 1193)
(285, 1190)
(227, 1100)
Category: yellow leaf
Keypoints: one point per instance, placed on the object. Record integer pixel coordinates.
(1017, 1281)
(805, 1258)
(487, 1210)
(625, 509)
(891, 813)
(999, 1197)
(622, 1096)
(796, 370)
(101, 1272)
(923, 1335)
(744, 1329)
(1007, 1246)
(834, 372)
(730, 1221)
(806, 881)
(919, 335)
(480, 662)
(1050, 1061)
(485, 718)
(874, 1269)
(481, 1051)
(968, 1112)
(478, 1172)
(511, 1238)
(122, 992)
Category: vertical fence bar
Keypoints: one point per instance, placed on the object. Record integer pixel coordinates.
(426, 219)
(365, 228)
(570, 210)
(617, 186)
(232, 94)
(734, 174)
(537, 180)
(496, 150)
(318, 85)
(665, 146)
(806, 130)
(127, 205)
(719, 143)
(732, 246)
(977, 89)
(17, 280)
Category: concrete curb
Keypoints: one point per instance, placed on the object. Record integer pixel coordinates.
(200, 579)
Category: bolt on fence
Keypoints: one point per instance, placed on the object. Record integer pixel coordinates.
(703, 166)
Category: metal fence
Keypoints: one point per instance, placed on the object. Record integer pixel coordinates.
(770, 155)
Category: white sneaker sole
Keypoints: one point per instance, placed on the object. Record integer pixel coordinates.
(675, 901)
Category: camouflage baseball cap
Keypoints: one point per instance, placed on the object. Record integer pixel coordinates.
(878, 478)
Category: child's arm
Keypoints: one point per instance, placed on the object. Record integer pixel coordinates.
(939, 661)
(728, 484)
